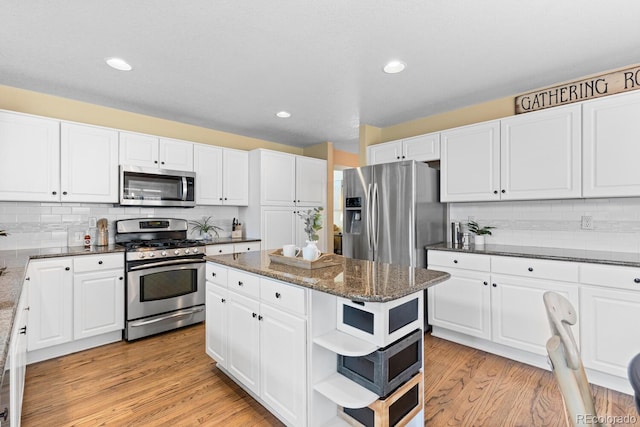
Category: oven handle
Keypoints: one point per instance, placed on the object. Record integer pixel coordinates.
(166, 263)
(170, 316)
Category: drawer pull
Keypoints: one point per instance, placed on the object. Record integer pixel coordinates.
(494, 285)
(223, 300)
(254, 315)
(100, 262)
(259, 317)
(637, 280)
(485, 283)
(120, 278)
(67, 268)
(240, 283)
(455, 261)
(530, 268)
(213, 274)
(277, 294)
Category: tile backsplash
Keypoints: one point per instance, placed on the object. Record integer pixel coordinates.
(557, 223)
(45, 225)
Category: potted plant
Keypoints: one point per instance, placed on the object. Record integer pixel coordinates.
(480, 232)
(312, 224)
(205, 227)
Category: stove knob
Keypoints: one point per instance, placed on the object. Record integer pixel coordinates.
(186, 251)
(195, 250)
(151, 254)
(164, 253)
(141, 254)
(177, 252)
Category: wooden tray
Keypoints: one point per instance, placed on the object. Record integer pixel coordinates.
(325, 260)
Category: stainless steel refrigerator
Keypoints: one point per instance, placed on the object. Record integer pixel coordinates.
(391, 212)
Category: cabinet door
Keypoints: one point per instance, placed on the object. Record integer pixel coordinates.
(176, 155)
(236, 177)
(50, 302)
(422, 148)
(519, 315)
(277, 178)
(384, 153)
(283, 363)
(279, 227)
(311, 181)
(608, 319)
(470, 163)
(30, 160)
(216, 323)
(219, 249)
(207, 164)
(462, 303)
(541, 154)
(98, 303)
(138, 150)
(88, 163)
(243, 340)
(18, 359)
(611, 131)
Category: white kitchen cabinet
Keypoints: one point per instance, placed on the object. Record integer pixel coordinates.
(540, 154)
(30, 161)
(283, 363)
(470, 163)
(611, 131)
(283, 226)
(311, 181)
(154, 152)
(223, 175)
(17, 358)
(243, 338)
(88, 163)
(50, 302)
(421, 148)
(216, 322)
(98, 295)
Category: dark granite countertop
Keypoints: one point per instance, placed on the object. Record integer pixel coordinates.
(354, 279)
(626, 259)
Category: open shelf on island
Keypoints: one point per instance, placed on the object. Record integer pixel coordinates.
(344, 392)
(345, 344)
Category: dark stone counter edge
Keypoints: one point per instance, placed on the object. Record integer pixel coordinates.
(623, 259)
(437, 277)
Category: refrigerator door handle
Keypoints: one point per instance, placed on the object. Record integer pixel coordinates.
(376, 218)
(369, 204)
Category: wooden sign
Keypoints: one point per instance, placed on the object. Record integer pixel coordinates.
(580, 90)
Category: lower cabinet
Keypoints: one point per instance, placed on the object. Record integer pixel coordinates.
(260, 338)
(73, 298)
(17, 361)
(230, 248)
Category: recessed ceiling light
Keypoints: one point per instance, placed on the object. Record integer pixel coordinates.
(283, 114)
(394, 67)
(119, 64)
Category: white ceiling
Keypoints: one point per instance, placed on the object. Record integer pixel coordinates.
(232, 64)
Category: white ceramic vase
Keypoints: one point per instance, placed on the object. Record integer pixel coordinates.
(311, 251)
(478, 240)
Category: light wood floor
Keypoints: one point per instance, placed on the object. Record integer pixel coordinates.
(168, 380)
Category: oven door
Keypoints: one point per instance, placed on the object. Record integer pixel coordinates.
(164, 286)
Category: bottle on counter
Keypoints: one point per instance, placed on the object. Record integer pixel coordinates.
(87, 240)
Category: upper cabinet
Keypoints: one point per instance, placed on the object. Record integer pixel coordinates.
(611, 136)
(421, 148)
(88, 164)
(222, 175)
(290, 180)
(531, 156)
(30, 160)
(150, 151)
(470, 163)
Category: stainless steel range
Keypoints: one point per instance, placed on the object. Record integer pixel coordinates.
(165, 286)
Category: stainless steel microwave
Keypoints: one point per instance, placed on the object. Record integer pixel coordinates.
(156, 187)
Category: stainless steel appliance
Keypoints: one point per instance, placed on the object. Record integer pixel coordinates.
(392, 211)
(157, 187)
(165, 282)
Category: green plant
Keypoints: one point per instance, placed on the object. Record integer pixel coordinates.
(3, 233)
(476, 229)
(204, 226)
(312, 222)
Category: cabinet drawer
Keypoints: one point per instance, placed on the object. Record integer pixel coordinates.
(610, 276)
(244, 283)
(98, 262)
(246, 247)
(458, 260)
(217, 274)
(220, 249)
(281, 295)
(535, 268)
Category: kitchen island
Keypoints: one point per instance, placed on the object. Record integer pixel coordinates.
(295, 338)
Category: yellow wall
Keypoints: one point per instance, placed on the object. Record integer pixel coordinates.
(41, 104)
